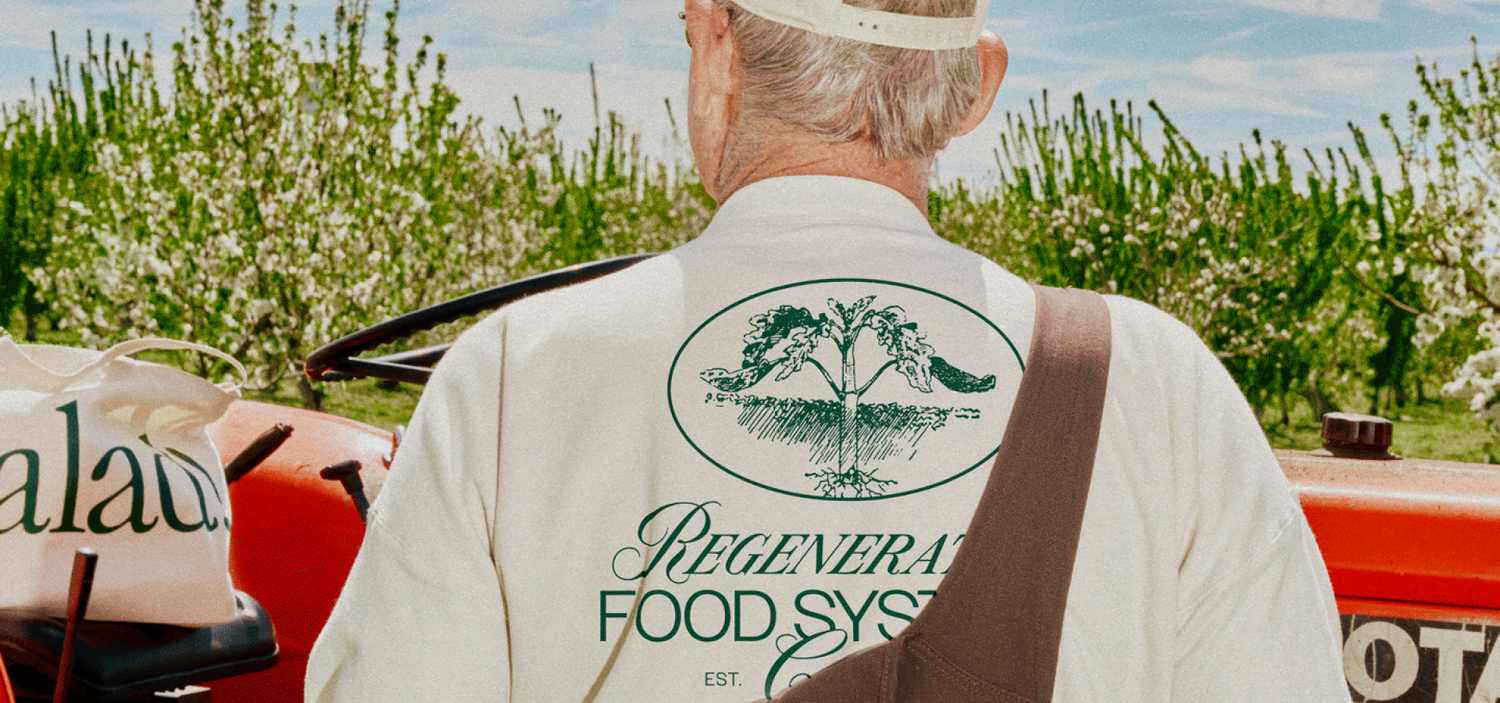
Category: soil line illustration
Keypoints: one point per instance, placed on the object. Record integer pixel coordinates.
(783, 340)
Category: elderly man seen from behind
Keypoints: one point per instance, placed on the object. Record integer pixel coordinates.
(720, 471)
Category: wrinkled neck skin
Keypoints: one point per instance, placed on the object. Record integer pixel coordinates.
(752, 154)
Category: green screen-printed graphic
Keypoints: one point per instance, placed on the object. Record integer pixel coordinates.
(861, 389)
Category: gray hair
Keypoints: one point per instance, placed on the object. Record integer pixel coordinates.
(907, 102)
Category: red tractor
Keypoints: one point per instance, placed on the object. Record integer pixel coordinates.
(1406, 541)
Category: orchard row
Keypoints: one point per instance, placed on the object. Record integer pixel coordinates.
(264, 194)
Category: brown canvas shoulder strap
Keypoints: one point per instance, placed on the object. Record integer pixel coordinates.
(992, 631)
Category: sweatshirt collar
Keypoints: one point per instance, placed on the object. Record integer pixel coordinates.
(811, 200)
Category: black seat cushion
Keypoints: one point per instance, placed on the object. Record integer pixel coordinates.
(116, 661)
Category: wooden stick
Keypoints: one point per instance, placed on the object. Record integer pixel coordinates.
(79, 589)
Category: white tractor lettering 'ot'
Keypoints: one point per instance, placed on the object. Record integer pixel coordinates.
(1447, 682)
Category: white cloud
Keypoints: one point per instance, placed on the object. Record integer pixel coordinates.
(1219, 67)
(1228, 72)
(1365, 10)
(456, 22)
(1006, 25)
(1370, 10)
(636, 94)
(644, 12)
(1042, 53)
(28, 23)
(972, 156)
(572, 22)
(1249, 88)
(1241, 103)
(1245, 32)
(26, 42)
(1461, 8)
(1321, 74)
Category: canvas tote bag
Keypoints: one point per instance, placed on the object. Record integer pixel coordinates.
(991, 632)
(104, 451)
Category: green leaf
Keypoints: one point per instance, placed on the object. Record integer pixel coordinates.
(902, 341)
(956, 379)
(736, 381)
(776, 326)
(800, 343)
(851, 318)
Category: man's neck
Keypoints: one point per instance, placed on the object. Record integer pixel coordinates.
(797, 153)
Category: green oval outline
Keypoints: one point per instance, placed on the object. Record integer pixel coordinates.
(673, 372)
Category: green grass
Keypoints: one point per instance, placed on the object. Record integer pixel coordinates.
(381, 405)
(1433, 429)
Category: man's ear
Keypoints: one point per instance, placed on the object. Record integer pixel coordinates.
(711, 91)
(994, 58)
(708, 34)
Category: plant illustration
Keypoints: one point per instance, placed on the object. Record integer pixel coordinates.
(783, 341)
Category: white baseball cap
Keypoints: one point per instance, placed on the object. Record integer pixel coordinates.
(832, 18)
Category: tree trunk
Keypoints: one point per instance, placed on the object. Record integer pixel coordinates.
(1319, 402)
(848, 441)
(312, 398)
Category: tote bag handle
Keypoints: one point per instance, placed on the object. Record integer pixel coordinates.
(53, 381)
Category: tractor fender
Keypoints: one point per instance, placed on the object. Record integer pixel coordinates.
(295, 534)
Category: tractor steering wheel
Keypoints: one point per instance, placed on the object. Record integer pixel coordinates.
(336, 360)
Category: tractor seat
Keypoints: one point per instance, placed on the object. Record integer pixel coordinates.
(117, 661)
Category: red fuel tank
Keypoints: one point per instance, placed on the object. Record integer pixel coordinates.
(1413, 550)
(295, 534)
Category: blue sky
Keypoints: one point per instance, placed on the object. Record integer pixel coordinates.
(1297, 69)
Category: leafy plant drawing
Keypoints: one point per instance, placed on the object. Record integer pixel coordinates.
(783, 341)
